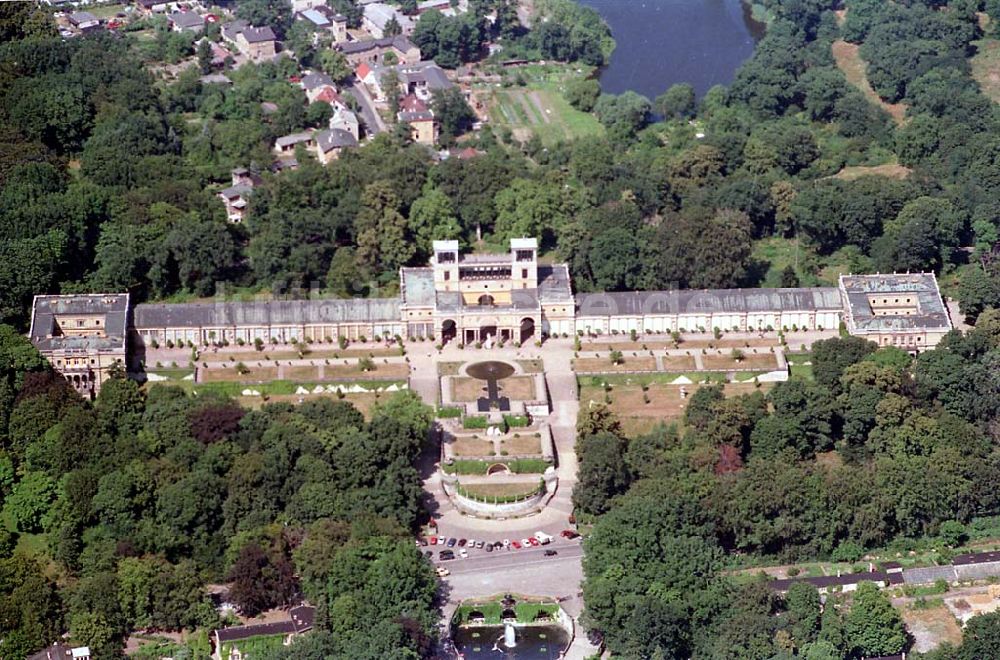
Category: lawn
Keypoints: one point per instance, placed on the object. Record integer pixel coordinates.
(517, 466)
(604, 364)
(521, 445)
(986, 67)
(518, 388)
(467, 446)
(726, 362)
(500, 491)
(254, 374)
(855, 70)
(107, 11)
(665, 404)
(276, 387)
(778, 253)
(538, 106)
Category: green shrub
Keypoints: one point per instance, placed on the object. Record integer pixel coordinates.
(516, 421)
(476, 422)
(449, 412)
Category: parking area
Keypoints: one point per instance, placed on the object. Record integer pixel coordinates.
(449, 552)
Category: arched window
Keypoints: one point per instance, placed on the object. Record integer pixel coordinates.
(486, 299)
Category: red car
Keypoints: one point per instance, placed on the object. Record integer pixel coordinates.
(516, 545)
(433, 540)
(533, 541)
(568, 534)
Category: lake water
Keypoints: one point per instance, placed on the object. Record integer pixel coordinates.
(662, 42)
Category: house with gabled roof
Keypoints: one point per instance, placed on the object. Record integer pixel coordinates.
(256, 43)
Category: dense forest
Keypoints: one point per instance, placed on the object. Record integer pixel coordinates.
(107, 172)
(124, 509)
(881, 448)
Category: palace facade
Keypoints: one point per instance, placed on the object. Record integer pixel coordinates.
(470, 298)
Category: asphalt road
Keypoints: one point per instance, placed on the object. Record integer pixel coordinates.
(501, 560)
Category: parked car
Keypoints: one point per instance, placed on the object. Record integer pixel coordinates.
(433, 540)
(442, 572)
(506, 543)
(551, 553)
(463, 553)
(489, 547)
(543, 538)
(446, 555)
(533, 541)
(516, 545)
(451, 543)
(422, 542)
(568, 534)
(428, 554)
(479, 544)
(525, 543)
(461, 543)
(441, 540)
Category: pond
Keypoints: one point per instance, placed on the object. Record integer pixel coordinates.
(662, 42)
(532, 642)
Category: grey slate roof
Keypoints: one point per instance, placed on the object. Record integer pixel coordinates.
(314, 80)
(265, 313)
(300, 620)
(933, 315)
(410, 117)
(399, 42)
(79, 17)
(424, 73)
(238, 190)
(553, 284)
(187, 19)
(114, 307)
(256, 35)
(294, 138)
(708, 301)
(335, 138)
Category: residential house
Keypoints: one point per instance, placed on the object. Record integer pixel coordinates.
(82, 336)
(443, 6)
(345, 119)
(316, 83)
(286, 144)
(373, 51)
(84, 21)
(256, 43)
(299, 6)
(236, 196)
(422, 79)
(186, 21)
(378, 15)
(60, 651)
(325, 20)
(148, 7)
(227, 641)
(330, 143)
(423, 127)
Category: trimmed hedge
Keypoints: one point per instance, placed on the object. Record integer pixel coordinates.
(517, 466)
(517, 421)
(449, 412)
(476, 422)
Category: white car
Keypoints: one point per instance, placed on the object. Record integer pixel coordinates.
(442, 572)
(479, 544)
(525, 543)
(463, 553)
(506, 543)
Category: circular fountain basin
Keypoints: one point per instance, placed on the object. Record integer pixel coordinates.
(490, 370)
(533, 642)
